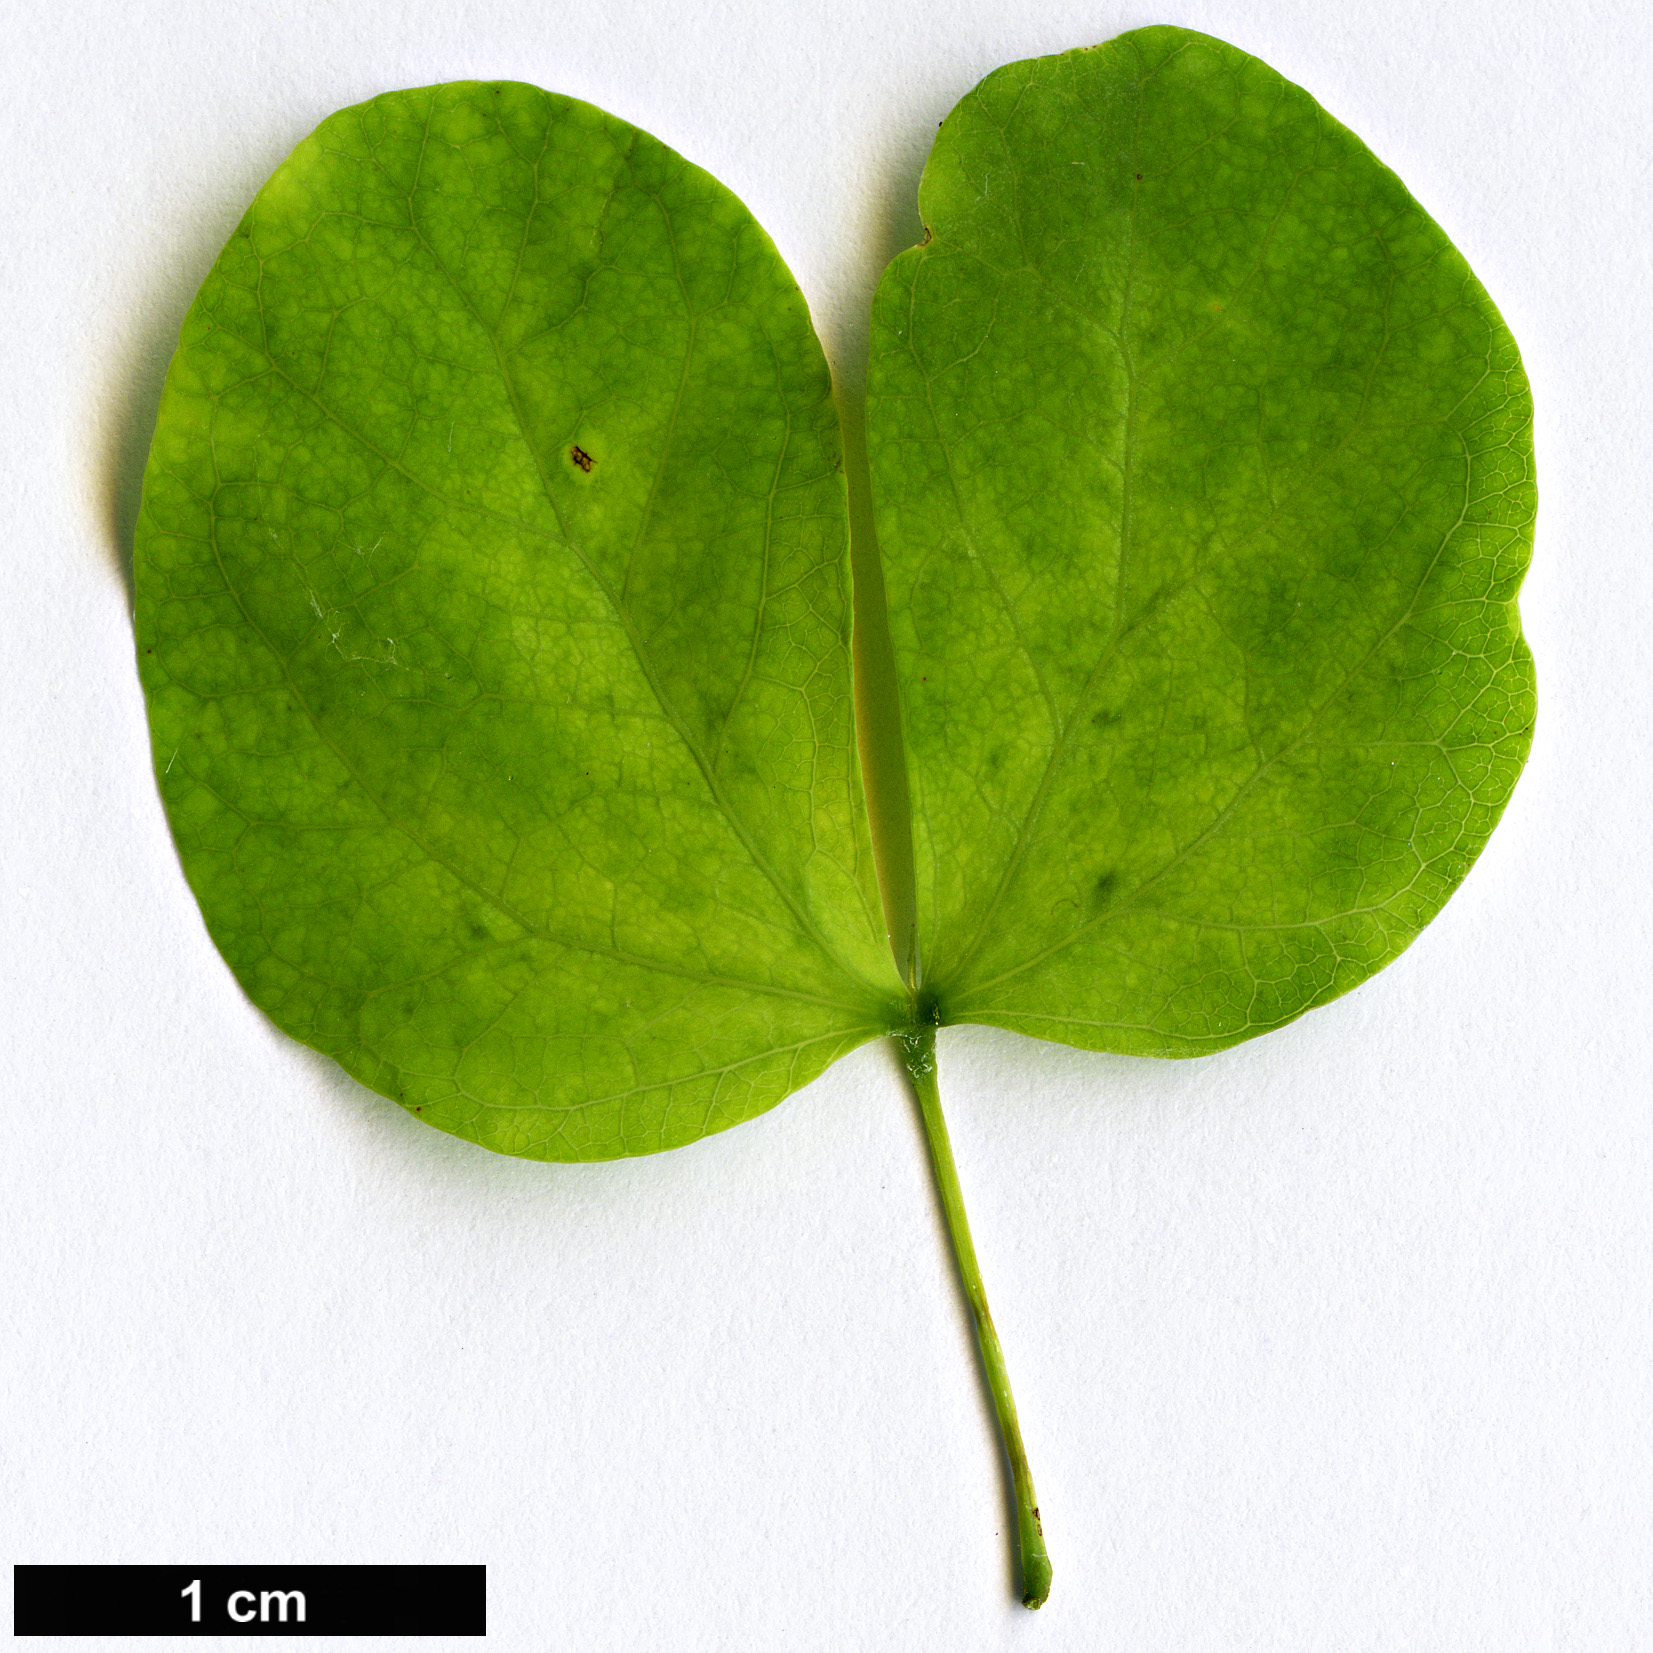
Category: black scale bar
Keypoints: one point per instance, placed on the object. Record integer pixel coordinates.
(249, 1601)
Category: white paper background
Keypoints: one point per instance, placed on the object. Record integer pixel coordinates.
(1340, 1340)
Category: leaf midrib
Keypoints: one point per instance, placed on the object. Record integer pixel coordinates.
(615, 599)
(1064, 730)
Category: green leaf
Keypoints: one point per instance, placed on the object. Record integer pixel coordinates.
(1204, 485)
(492, 596)
(493, 610)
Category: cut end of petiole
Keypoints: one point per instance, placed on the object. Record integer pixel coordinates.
(1035, 1561)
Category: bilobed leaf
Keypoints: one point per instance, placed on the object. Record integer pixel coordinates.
(493, 604)
(1203, 476)
(493, 611)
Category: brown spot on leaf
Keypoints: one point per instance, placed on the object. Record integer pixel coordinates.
(582, 459)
